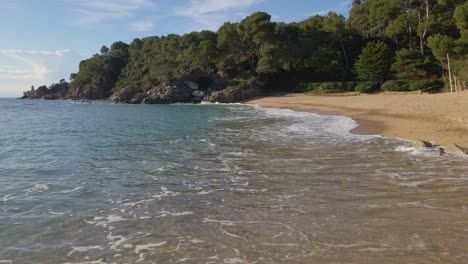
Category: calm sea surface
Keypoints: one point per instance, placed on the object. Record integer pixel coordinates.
(106, 183)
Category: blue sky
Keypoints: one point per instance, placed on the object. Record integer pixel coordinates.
(43, 41)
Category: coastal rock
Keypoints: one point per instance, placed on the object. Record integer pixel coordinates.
(170, 92)
(454, 149)
(126, 94)
(425, 144)
(198, 94)
(219, 83)
(138, 98)
(192, 85)
(54, 92)
(233, 94)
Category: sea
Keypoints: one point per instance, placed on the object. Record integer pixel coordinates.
(97, 182)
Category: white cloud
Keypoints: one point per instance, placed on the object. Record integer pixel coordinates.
(212, 13)
(142, 26)
(21, 68)
(343, 6)
(97, 11)
(36, 62)
(34, 52)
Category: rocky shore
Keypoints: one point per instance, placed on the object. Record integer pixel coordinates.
(188, 90)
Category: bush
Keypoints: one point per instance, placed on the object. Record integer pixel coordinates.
(396, 85)
(326, 87)
(367, 87)
(239, 83)
(426, 85)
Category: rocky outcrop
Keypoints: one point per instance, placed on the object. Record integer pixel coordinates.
(235, 94)
(90, 92)
(193, 88)
(455, 149)
(170, 92)
(55, 92)
(452, 149)
(138, 98)
(127, 94)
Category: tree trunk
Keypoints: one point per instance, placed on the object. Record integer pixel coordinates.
(345, 54)
(450, 73)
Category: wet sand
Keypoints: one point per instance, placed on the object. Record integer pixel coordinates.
(442, 118)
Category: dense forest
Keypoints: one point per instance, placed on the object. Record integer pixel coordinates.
(395, 45)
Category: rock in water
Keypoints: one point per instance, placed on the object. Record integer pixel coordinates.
(425, 144)
(454, 149)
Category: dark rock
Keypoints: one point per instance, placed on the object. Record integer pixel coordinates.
(425, 144)
(139, 98)
(126, 94)
(219, 83)
(198, 94)
(192, 85)
(55, 92)
(233, 94)
(170, 92)
(51, 97)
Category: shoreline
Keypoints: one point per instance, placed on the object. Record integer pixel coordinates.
(442, 118)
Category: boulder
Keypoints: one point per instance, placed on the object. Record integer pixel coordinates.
(454, 149)
(170, 92)
(425, 144)
(138, 98)
(198, 94)
(192, 85)
(233, 94)
(126, 94)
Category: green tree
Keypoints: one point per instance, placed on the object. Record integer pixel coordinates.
(104, 50)
(410, 62)
(374, 62)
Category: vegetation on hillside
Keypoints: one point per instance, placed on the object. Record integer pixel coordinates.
(381, 40)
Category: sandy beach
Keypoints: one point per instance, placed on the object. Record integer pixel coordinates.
(442, 118)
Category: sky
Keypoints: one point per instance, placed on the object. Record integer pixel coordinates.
(43, 41)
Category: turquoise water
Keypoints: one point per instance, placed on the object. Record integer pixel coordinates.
(108, 183)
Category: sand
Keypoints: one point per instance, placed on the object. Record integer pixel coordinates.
(442, 118)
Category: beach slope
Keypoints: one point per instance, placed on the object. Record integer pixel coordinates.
(442, 118)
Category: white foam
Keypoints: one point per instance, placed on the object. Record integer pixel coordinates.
(37, 188)
(139, 248)
(165, 193)
(105, 221)
(167, 213)
(88, 262)
(72, 190)
(312, 123)
(84, 249)
(233, 260)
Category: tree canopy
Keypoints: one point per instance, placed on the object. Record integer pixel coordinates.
(398, 38)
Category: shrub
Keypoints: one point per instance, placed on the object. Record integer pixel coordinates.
(396, 85)
(306, 87)
(426, 85)
(239, 83)
(350, 86)
(326, 87)
(367, 87)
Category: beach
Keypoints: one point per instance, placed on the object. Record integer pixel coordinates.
(442, 118)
